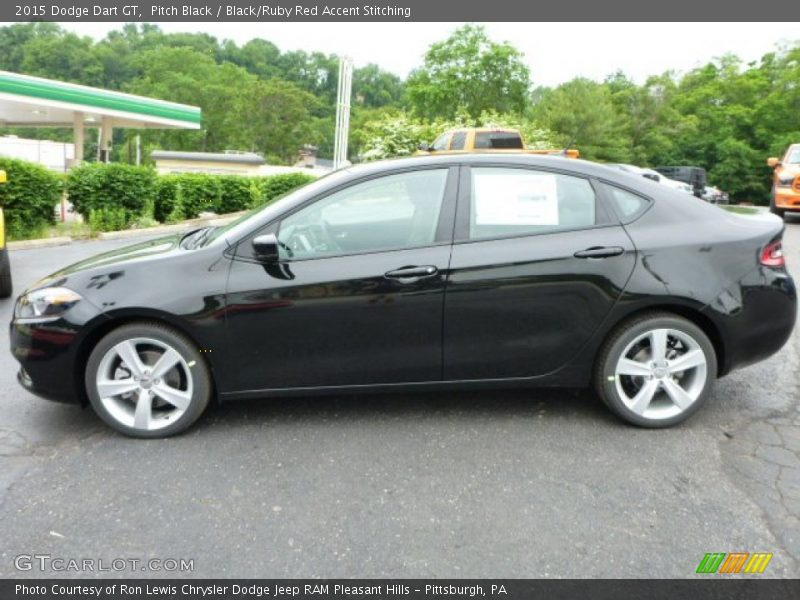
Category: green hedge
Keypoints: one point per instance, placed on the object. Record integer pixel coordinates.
(116, 194)
(30, 196)
(186, 195)
(166, 190)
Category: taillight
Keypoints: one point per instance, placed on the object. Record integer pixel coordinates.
(772, 256)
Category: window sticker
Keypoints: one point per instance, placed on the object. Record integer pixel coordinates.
(515, 199)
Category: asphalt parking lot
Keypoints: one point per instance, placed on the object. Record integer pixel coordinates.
(488, 484)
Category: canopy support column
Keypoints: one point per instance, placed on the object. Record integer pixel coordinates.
(106, 133)
(78, 138)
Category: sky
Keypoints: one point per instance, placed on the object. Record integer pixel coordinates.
(555, 52)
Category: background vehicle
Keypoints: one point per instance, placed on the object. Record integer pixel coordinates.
(486, 139)
(694, 176)
(786, 182)
(654, 176)
(557, 272)
(715, 195)
(6, 285)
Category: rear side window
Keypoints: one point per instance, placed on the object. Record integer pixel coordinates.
(516, 202)
(459, 140)
(628, 204)
(498, 139)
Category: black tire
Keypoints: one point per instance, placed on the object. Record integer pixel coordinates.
(201, 385)
(6, 285)
(605, 382)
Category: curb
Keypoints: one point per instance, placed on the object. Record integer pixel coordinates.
(40, 243)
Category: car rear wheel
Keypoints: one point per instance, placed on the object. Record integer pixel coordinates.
(147, 380)
(656, 370)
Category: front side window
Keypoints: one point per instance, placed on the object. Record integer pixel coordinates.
(510, 202)
(392, 212)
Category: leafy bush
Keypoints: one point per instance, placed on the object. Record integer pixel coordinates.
(128, 189)
(186, 195)
(236, 193)
(29, 198)
(196, 193)
(117, 196)
(108, 218)
(277, 185)
(165, 197)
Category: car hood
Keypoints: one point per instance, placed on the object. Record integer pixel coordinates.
(107, 264)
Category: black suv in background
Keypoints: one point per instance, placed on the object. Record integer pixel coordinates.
(694, 176)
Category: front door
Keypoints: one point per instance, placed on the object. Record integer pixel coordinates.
(357, 295)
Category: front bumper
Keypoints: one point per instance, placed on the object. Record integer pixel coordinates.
(46, 353)
(786, 198)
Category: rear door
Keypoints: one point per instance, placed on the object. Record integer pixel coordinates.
(537, 263)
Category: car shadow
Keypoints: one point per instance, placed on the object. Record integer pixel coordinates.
(476, 406)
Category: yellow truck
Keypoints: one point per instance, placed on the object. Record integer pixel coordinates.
(486, 139)
(6, 286)
(786, 182)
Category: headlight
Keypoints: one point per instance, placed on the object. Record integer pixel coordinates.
(45, 304)
(786, 179)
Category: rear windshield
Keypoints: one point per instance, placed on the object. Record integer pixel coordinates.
(498, 139)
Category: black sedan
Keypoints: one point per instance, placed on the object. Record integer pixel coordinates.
(468, 271)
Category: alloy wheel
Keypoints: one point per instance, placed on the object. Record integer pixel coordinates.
(661, 373)
(144, 383)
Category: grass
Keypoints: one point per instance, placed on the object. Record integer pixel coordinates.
(741, 210)
(73, 229)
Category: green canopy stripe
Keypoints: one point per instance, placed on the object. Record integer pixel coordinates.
(97, 98)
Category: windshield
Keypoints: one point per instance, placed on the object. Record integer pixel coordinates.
(274, 206)
(793, 157)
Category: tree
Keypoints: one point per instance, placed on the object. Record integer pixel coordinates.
(375, 88)
(240, 111)
(471, 72)
(581, 112)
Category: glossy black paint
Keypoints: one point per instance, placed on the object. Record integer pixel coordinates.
(514, 311)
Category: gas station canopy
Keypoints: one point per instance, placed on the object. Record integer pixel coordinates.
(27, 101)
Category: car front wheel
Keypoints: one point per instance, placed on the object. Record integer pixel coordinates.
(656, 370)
(147, 380)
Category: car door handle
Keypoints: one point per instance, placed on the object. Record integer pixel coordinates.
(599, 252)
(412, 274)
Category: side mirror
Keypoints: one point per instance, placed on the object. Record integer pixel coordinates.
(3, 178)
(265, 247)
(425, 147)
(652, 176)
(773, 162)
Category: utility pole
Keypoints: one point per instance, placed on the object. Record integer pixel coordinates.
(343, 112)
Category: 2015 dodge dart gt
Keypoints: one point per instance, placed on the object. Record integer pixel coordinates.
(443, 272)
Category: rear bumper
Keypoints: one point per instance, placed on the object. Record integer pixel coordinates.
(755, 318)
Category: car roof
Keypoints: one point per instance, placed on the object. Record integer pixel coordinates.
(544, 161)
